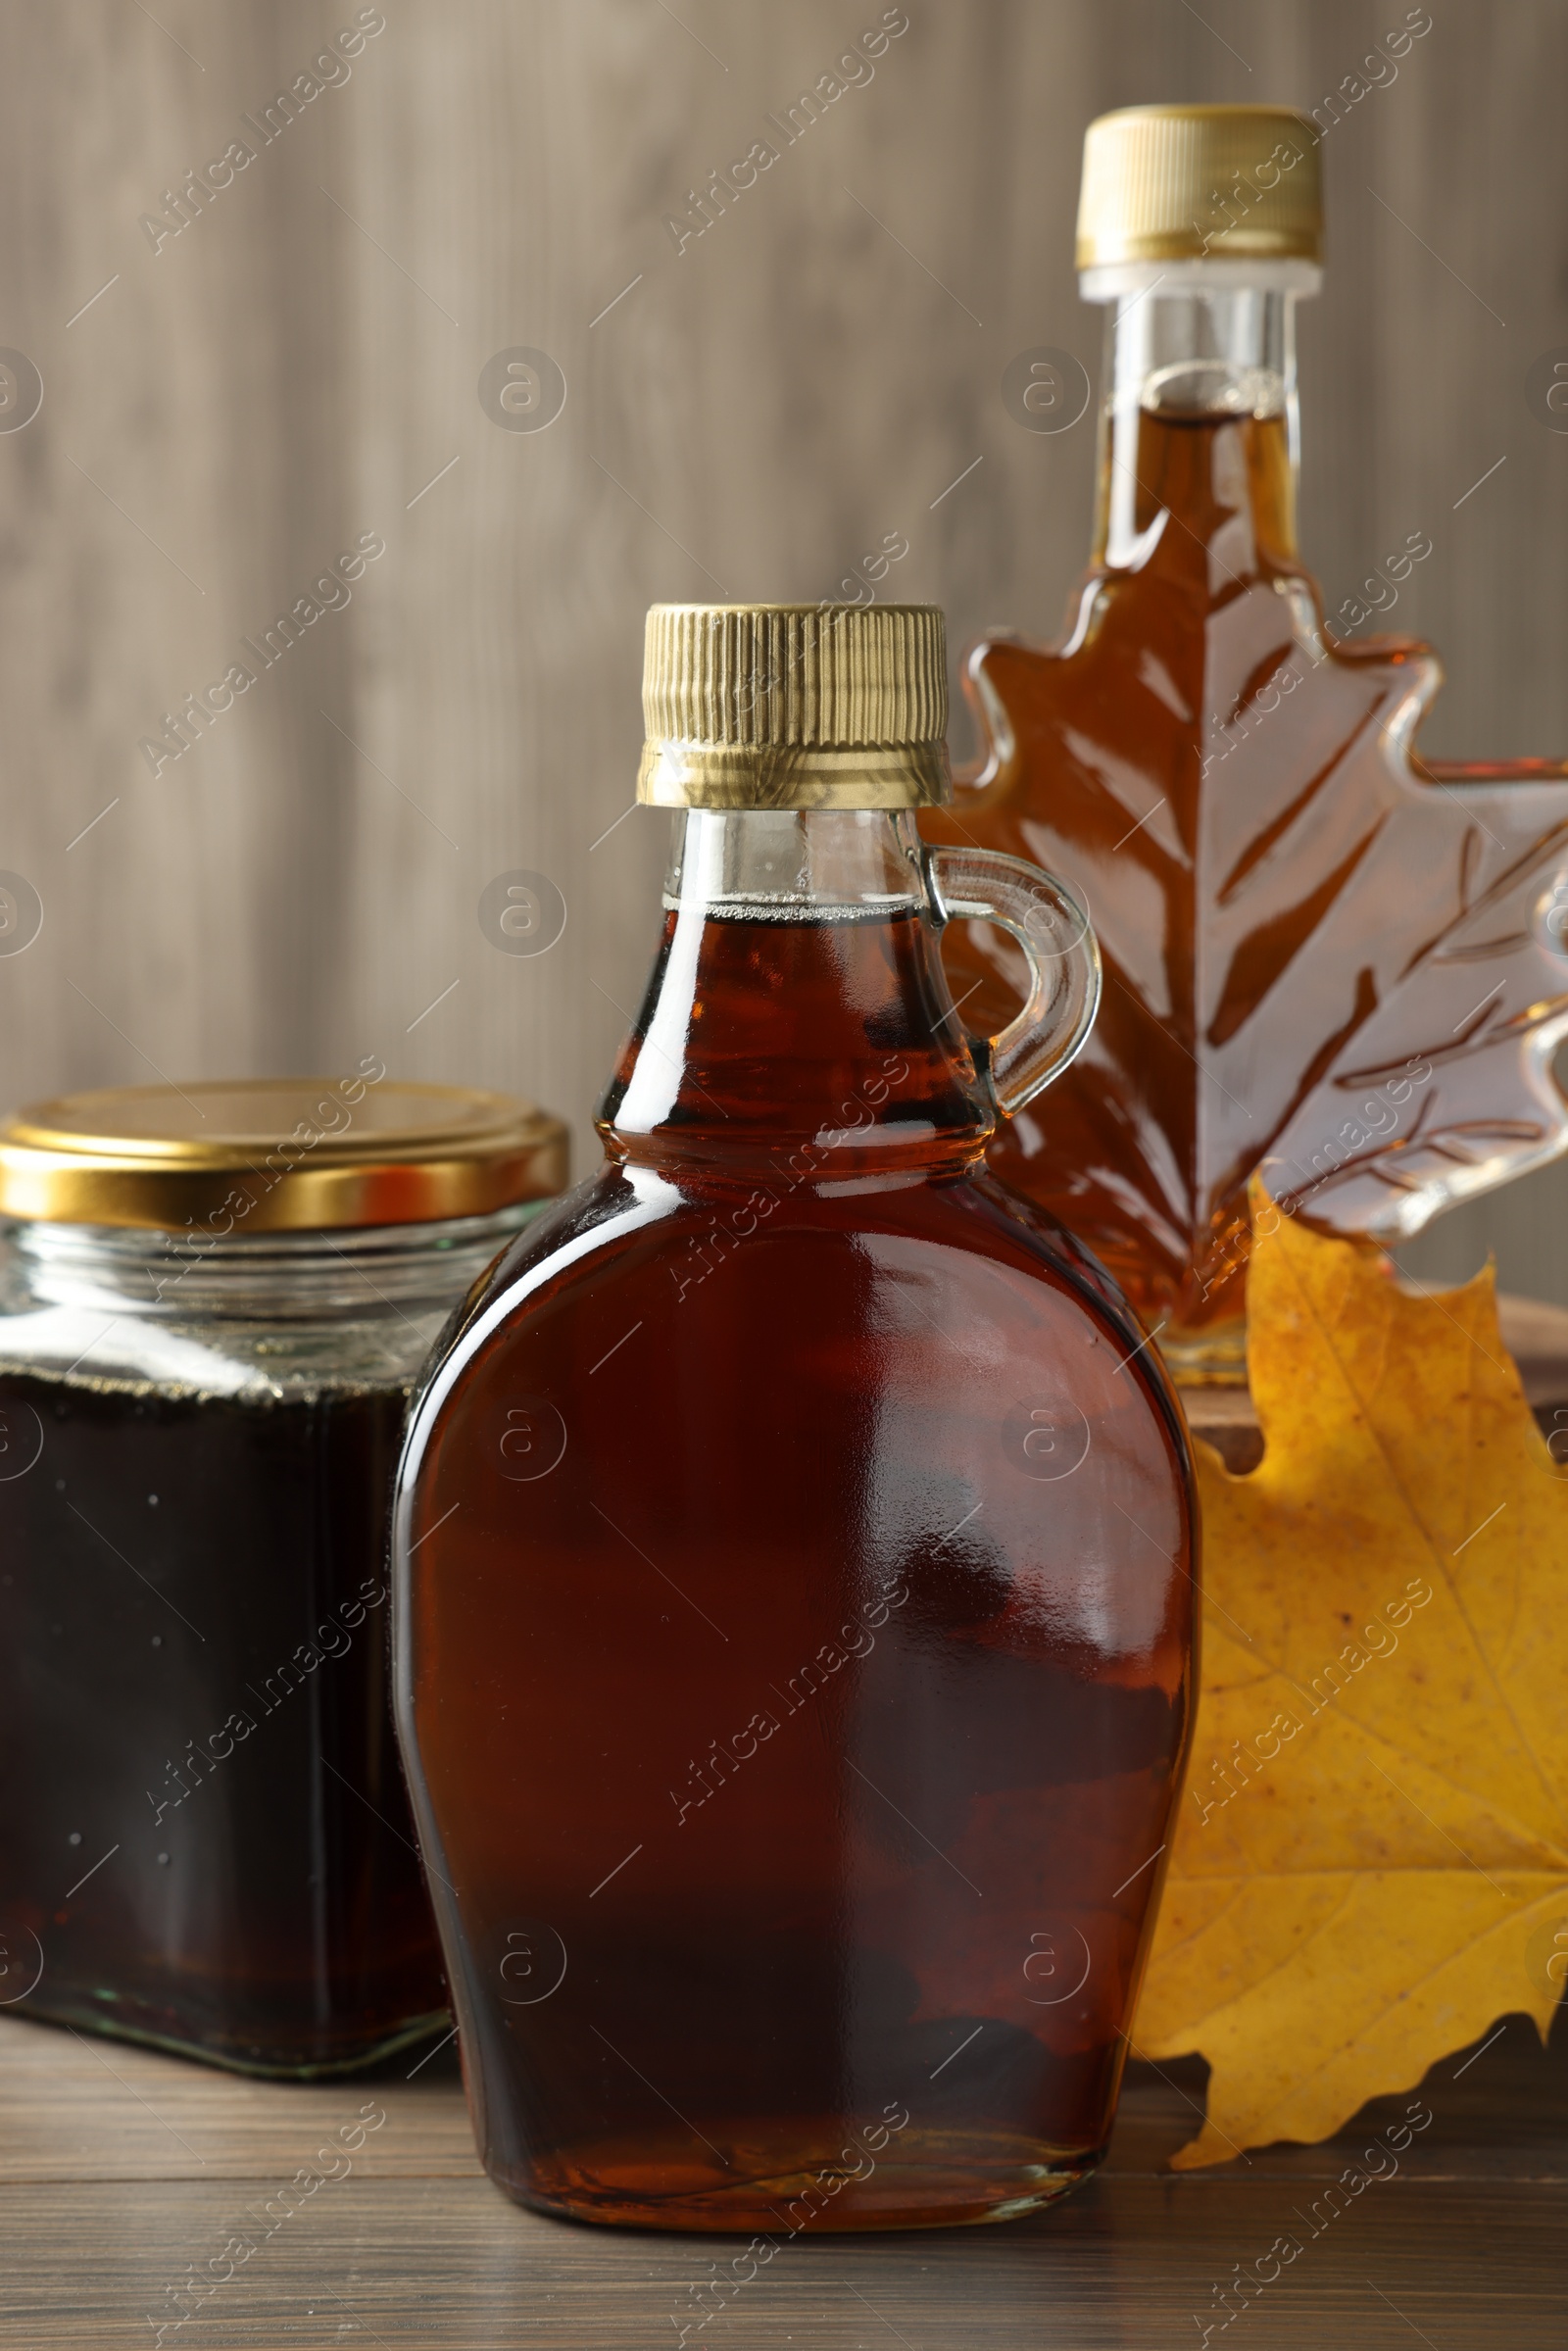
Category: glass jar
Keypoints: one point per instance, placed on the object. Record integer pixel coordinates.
(793, 1550)
(213, 1304)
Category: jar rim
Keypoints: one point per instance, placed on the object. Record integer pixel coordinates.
(243, 1281)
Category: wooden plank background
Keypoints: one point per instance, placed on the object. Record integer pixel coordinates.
(299, 364)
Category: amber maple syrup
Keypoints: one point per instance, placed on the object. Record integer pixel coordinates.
(795, 1610)
(1326, 961)
(1115, 1150)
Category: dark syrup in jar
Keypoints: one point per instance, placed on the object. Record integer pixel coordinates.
(205, 1841)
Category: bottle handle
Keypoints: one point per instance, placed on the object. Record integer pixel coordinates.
(984, 885)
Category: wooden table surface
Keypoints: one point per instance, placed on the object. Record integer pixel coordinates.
(121, 2169)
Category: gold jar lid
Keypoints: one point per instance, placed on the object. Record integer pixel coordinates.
(1200, 182)
(276, 1155)
(794, 706)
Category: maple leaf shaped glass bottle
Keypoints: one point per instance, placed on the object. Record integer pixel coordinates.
(794, 1542)
(1323, 959)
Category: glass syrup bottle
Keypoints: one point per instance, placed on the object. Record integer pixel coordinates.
(793, 1553)
(1318, 965)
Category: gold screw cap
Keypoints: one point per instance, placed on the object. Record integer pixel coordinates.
(276, 1155)
(1200, 182)
(794, 706)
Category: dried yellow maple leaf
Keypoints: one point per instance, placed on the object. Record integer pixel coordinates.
(1371, 1862)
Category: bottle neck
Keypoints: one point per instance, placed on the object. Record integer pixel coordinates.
(798, 1023)
(1198, 438)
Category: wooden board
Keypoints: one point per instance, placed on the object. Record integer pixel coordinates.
(121, 2169)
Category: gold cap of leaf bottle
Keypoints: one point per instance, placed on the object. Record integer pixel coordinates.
(1200, 182)
(794, 706)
